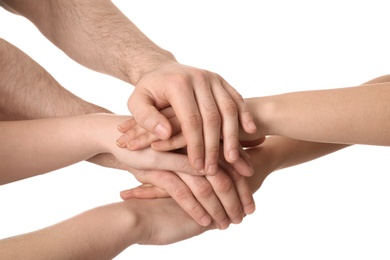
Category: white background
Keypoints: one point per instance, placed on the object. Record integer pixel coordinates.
(336, 207)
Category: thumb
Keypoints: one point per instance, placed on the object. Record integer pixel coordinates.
(142, 106)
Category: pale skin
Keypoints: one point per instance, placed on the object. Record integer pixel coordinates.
(302, 126)
(149, 221)
(158, 221)
(83, 240)
(350, 115)
(223, 198)
(97, 35)
(196, 196)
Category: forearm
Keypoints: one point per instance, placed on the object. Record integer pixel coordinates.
(33, 147)
(23, 85)
(96, 34)
(100, 233)
(354, 115)
(28, 91)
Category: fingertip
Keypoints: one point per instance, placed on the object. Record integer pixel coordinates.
(199, 165)
(233, 155)
(250, 209)
(251, 127)
(162, 131)
(122, 141)
(126, 125)
(125, 194)
(205, 220)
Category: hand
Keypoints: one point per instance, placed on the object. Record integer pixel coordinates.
(204, 104)
(149, 166)
(139, 138)
(225, 197)
(161, 222)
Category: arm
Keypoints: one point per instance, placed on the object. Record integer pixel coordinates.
(126, 223)
(32, 147)
(353, 115)
(99, 36)
(104, 232)
(24, 81)
(278, 152)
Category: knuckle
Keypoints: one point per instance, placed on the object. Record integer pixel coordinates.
(200, 76)
(223, 184)
(237, 178)
(180, 79)
(204, 190)
(237, 96)
(194, 121)
(229, 107)
(219, 214)
(182, 194)
(213, 118)
(235, 210)
(213, 151)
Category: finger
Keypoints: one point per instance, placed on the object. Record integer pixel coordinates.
(225, 189)
(176, 142)
(230, 124)
(243, 165)
(138, 138)
(211, 124)
(182, 194)
(245, 116)
(127, 125)
(204, 193)
(188, 114)
(144, 191)
(142, 107)
(154, 160)
(123, 128)
(242, 187)
(244, 192)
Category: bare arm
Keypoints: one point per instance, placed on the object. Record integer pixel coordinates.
(23, 85)
(32, 147)
(28, 91)
(96, 34)
(353, 115)
(104, 232)
(99, 36)
(309, 119)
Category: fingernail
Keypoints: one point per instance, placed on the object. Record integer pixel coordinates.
(205, 221)
(199, 164)
(233, 155)
(122, 141)
(212, 169)
(161, 131)
(252, 126)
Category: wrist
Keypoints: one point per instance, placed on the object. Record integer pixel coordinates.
(104, 129)
(134, 71)
(257, 107)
